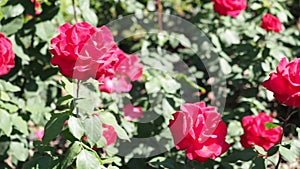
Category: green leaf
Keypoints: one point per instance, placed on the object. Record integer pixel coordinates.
(273, 150)
(7, 86)
(87, 160)
(93, 129)
(19, 151)
(90, 16)
(41, 162)
(287, 154)
(45, 30)
(271, 125)
(152, 86)
(259, 149)
(4, 145)
(5, 122)
(54, 126)
(109, 119)
(64, 100)
(76, 127)
(13, 26)
(230, 37)
(259, 163)
(12, 11)
(225, 66)
(71, 155)
(184, 41)
(19, 51)
(3, 2)
(20, 124)
(170, 85)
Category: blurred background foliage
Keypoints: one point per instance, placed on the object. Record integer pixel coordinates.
(34, 92)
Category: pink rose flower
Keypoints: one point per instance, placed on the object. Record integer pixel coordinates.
(7, 56)
(256, 133)
(200, 131)
(83, 51)
(131, 112)
(229, 7)
(109, 134)
(39, 134)
(285, 82)
(271, 23)
(128, 69)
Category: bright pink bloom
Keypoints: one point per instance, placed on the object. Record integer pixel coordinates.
(256, 133)
(285, 82)
(109, 134)
(131, 112)
(83, 51)
(200, 131)
(39, 134)
(271, 23)
(7, 56)
(229, 7)
(128, 69)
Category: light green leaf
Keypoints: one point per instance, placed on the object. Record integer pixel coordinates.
(93, 129)
(225, 66)
(19, 151)
(12, 11)
(287, 154)
(20, 124)
(5, 122)
(45, 30)
(76, 127)
(13, 26)
(87, 160)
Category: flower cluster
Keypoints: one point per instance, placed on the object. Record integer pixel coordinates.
(83, 51)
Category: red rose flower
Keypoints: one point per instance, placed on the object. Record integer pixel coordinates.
(200, 131)
(271, 23)
(7, 56)
(256, 133)
(131, 112)
(83, 51)
(128, 69)
(285, 82)
(229, 7)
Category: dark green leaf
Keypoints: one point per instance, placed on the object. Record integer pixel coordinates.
(71, 155)
(54, 126)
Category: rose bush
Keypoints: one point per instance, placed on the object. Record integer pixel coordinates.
(200, 131)
(136, 71)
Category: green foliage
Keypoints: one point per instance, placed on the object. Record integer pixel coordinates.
(35, 95)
